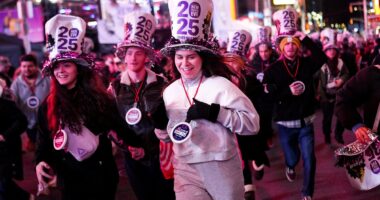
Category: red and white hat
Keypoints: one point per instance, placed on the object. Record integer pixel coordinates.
(191, 22)
(286, 22)
(64, 41)
(139, 28)
(238, 42)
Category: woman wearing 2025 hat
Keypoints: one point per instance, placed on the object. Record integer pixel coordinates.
(204, 110)
(74, 122)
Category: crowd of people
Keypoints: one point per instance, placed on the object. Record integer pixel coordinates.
(193, 120)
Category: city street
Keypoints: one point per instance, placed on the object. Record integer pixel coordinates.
(331, 182)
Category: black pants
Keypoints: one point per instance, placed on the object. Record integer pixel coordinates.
(9, 190)
(32, 134)
(328, 111)
(147, 180)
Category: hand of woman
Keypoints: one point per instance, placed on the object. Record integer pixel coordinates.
(362, 134)
(43, 176)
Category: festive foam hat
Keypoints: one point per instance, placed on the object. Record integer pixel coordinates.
(65, 38)
(238, 42)
(286, 22)
(262, 35)
(328, 39)
(191, 22)
(139, 28)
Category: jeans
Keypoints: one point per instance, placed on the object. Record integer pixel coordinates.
(296, 141)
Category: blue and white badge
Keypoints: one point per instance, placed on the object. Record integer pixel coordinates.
(60, 140)
(181, 132)
(133, 116)
(32, 102)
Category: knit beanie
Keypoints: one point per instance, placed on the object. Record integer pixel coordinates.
(289, 39)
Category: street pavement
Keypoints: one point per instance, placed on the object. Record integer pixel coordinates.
(330, 183)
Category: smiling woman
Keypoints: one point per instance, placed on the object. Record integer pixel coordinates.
(66, 74)
(75, 120)
(204, 110)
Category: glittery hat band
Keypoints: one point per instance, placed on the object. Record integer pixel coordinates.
(352, 158)
(210, 46)
(84, 60)
(121, 49)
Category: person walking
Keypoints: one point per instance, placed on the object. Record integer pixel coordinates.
(252, 147)
(30, 89)
(138, 93)
(290, 82)
(332, 76)
(73, 145)
(13, 124)
(204, 110)
(363, 89)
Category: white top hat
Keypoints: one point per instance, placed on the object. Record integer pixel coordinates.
(65, 38)
(139, 28)
(191, 22)
(327, 36)
(286, 22)
(238, 42)
(262, 35)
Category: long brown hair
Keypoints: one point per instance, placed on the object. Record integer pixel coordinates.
(211, 65)
(73, 106)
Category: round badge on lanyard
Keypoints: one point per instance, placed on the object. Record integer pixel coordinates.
(181, 132)
(300, 85)
(133, 116)
(60, 139)
(260, 77)
(32, 102)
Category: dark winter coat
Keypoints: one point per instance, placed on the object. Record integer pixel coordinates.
(12, 124)
(362, 89)
(287, 106)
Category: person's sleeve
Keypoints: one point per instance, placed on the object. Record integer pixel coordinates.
(44, 151)
(19, 122)
(237, 112)
(351, 96)
(318, 57)
(345, 74)
(274, 89)
(14, 90)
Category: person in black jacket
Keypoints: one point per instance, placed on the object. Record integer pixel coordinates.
(13, 124)
(361, 90)
(74, 123)
(138, 93)
(252, 147)
(290, 82)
